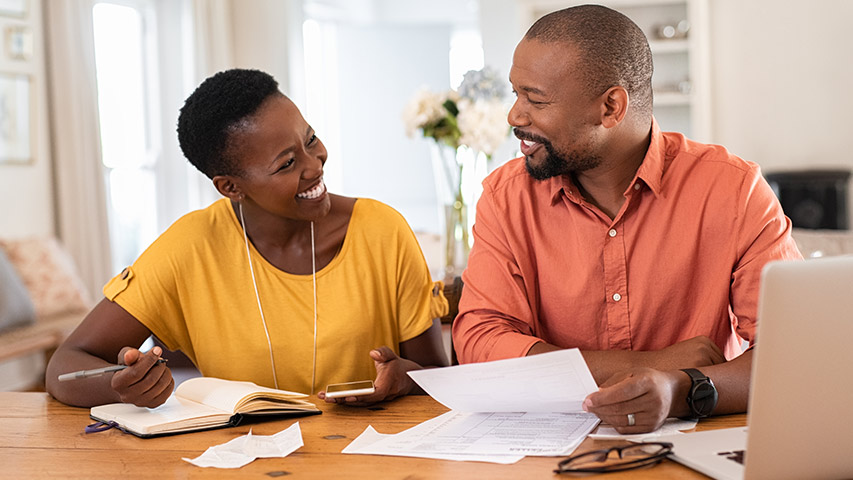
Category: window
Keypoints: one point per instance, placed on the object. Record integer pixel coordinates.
(129, 147)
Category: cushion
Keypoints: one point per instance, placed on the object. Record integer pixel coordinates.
(49, 275)
(16, 309)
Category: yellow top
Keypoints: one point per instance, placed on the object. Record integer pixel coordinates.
(193, 289)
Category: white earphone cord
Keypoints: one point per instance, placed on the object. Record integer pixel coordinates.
(261, 310)
(314, 280)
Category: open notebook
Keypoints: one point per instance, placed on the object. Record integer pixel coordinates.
(799, 421)
(203, 403)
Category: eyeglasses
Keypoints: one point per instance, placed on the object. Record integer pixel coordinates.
(627, 457)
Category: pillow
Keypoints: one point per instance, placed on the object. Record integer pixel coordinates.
(48, 273)
(16, 309)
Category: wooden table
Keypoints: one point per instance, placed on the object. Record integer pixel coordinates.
(42, 438)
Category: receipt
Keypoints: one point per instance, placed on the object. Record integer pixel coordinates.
(243, 450)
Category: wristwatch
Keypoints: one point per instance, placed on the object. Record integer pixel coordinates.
(702, 397)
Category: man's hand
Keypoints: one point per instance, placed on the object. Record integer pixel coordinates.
(695, 352)
(144, 383)
(645, 393)
(391, 379)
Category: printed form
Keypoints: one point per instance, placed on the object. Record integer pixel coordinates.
(500, 411)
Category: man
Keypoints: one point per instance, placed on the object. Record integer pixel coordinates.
(643, 249)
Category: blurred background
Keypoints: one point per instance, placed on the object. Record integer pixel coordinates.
(90, 92)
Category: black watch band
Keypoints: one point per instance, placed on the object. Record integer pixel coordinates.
(702, 396)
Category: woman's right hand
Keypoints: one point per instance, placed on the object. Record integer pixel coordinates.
(145, 383)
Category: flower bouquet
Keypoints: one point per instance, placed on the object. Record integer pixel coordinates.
(467, 125)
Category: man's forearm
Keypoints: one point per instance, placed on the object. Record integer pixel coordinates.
(603, 364)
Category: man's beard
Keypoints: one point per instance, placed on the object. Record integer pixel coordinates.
(558, 163)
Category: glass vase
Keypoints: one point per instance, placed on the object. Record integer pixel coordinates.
(455, 238)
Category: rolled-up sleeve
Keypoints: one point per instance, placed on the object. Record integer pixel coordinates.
(763, 235)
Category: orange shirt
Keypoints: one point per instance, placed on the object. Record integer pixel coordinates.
(682, 257)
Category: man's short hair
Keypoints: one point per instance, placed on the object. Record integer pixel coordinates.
(612, 49)
(212, 112)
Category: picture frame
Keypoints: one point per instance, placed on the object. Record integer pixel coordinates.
(19, 42)
(13, 8)
(15, 118)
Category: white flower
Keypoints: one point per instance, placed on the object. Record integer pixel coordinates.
(482, 84)
(483, 124)
(425, 108)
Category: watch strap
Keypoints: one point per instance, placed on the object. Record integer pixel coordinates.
(699, 379)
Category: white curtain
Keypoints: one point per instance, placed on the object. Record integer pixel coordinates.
(212, 51)
(79, 183)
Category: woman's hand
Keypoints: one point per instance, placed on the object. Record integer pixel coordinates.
(144, 383)
(391, 379)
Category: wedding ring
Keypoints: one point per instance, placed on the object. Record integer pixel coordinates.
(631, 420)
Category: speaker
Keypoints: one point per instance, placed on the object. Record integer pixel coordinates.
(815, 199)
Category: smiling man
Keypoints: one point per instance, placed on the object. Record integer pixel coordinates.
(641, 248)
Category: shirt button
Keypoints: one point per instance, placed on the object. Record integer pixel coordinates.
(636, 186)
(617, 297)
(612, 232)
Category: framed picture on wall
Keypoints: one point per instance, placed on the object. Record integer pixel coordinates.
(13, 8)
(19, 42)
(15, 124)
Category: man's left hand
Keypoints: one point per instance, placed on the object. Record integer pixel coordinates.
(644, 393)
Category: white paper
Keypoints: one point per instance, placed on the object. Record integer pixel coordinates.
(550, 382)
(243, 450)
(496, 433)
(365, 444)
(670, 426)
(522, 406)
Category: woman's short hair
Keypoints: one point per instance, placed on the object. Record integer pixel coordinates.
(212, 113)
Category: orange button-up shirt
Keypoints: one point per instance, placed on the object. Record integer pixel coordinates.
(682, 257)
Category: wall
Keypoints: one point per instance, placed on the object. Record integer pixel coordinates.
(782, 80)
(27, 192)
(381, 74)
(27, 189)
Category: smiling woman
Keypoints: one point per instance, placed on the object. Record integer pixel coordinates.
(280, 283)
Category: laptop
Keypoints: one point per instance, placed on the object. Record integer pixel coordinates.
(800, 420)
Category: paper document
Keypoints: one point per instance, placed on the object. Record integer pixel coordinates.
(243, 450)
(369, 443)
(500, 410)
(550, 382)
(670, 426)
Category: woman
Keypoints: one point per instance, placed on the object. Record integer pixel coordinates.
(279, 283)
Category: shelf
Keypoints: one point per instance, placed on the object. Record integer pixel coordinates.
(669, 46)
(664, 99)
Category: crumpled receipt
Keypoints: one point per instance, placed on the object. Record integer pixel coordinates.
(243, 450)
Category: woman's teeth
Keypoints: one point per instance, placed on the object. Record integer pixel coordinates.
(315, 192)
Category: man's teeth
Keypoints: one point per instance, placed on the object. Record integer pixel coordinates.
(529, 143)
(315, 192)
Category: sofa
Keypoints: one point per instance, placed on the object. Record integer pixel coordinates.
(42, 300)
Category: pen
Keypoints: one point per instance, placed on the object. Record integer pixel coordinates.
(98, 371)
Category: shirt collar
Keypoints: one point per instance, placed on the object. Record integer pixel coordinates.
(651, 170)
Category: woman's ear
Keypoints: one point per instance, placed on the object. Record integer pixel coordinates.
(614, 106)
(226, 185)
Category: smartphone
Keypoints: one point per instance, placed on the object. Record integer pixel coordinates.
(350, 389)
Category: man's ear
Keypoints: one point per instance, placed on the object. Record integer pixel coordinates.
(227, 186)
(614, 106)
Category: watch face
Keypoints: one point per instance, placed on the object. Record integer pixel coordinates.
(704, 398)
